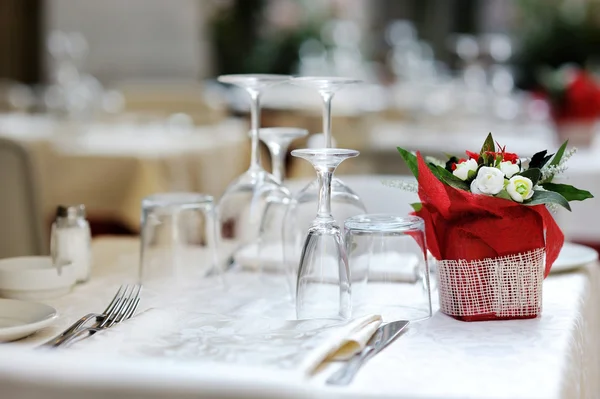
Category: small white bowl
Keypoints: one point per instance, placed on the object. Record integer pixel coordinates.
(34, 278)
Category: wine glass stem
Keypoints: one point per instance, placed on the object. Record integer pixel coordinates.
(254, 126)
(327, 96)
(278, 161)
(324, 176)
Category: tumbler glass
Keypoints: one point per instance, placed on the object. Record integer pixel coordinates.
(178, 241)
(389, 270)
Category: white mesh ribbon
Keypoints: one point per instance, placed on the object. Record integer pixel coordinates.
(502, 287)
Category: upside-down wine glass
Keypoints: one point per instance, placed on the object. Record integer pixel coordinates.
(345, 202)
(270, 246)
(323, 283)
(267, 255)
(243, 204)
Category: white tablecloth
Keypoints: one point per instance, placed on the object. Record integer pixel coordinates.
(554, 356)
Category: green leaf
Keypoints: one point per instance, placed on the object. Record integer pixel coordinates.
(488, 145)
(448, 178)
(435, 161)
(539, 159)
(504, 194)
(411, 161)
(441, 173)
(559, 154)
(436, 172)
(417, 206)
(569, 192)
(546, 159)
(532, 174)
(548, 197)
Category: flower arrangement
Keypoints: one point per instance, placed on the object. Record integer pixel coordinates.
(496, 172)
(488, 226)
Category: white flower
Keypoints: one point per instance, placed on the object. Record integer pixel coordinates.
(462, 169)
(519, 188)
(489, 181)
(509, 168)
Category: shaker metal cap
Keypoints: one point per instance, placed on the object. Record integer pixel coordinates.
(71, 211)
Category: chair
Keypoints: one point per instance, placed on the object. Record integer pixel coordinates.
(21, 231)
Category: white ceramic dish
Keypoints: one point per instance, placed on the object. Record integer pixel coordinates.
(34, 278)
(19, 319)
(573, 256)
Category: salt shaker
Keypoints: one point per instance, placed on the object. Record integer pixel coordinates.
(71, 240)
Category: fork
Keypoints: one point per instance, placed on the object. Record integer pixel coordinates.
(81, 322)
(123, 310)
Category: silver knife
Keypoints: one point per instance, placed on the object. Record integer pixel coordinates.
(384, 335)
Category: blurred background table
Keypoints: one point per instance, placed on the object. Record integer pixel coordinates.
(110, 167)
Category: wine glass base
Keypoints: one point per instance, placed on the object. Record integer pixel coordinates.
(253, 81)
(324, 83)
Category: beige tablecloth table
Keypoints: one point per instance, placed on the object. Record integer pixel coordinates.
(110, 168)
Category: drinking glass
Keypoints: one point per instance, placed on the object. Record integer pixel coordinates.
(345, 202)
(323, 284)
(243, 204)
(388, 264)
(178, 241)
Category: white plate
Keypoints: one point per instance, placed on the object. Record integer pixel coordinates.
(573, 256)
(19, 319)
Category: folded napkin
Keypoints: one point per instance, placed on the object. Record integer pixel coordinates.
(295, 345)
(386, 266)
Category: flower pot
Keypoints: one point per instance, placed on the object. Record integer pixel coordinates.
(501, 288)
(579, 133)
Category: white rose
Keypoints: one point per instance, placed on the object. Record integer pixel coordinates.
(489, 181)
(509, 168)
(519, 188)
(462, 169)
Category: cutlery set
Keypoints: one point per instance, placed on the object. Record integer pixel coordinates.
(121, 307)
